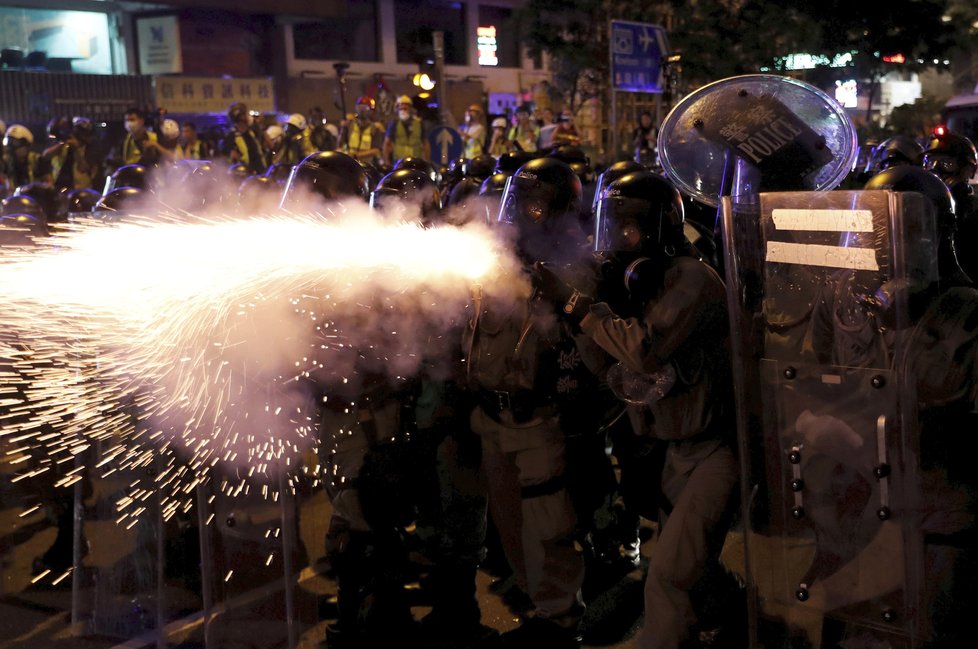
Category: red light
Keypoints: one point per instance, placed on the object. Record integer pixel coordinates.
(895, 58)
(940, 130)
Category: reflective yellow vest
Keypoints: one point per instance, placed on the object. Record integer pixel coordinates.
(408, 144)
(360, 139)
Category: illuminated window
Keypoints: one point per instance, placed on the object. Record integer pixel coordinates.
(75, 41)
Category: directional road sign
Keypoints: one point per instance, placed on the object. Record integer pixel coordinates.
(637, 53)
(446, 145)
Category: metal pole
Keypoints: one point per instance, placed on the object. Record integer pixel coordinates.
(78, 523)
(612, 116)
(206, 564)
(438, 45)
(288, 539)
(160, 564)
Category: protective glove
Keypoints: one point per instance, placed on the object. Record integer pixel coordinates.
(883, 302)
(569, 301)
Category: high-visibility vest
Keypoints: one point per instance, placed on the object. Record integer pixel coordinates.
(408, 144)
(193, 151)
(131, 151)
(527, 138)
(79, 178)
(256, 166)
(360, 139)
(475, 145)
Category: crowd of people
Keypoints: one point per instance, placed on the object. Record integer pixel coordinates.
(509, 442)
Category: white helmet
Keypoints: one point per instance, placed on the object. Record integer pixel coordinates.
(169, 129)
(499, 122)
(297, 120)
(18, 132)
(274, 135)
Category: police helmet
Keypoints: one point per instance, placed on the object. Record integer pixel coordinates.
(81, 201)
(134, 175)
(118, 202)
(22, 204)
(418, 164)
(949, 155)
(257, 192)
(611, 174)
(640, 212)
(16, 136)
(463, 191)
(51, 200)
(479, 167)
(898, 150)
(567, 153)
(409, 186)
(491, 191)
(238, 172)
(19, 229)
(278, 172)
(331, 174)
(906, 178)
(451, 173)
(510, 161)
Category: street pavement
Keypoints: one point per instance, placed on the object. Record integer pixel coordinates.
(116, 602)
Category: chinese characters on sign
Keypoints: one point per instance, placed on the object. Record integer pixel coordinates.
(637, 52)
(211, 95)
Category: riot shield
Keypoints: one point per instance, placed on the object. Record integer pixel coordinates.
(823, 289)
(754, 133)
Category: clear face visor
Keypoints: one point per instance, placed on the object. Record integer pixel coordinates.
(941, 165)
(616, 224)
(525, 202)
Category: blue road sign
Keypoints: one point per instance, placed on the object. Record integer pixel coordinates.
(446, 145)
(637, 52)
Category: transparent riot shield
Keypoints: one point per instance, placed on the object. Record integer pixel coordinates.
(823, 290)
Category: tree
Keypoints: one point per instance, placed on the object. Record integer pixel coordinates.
(920, 30)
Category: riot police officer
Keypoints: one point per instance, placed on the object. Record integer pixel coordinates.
(673, 368)
(527, 371)
(954, 159)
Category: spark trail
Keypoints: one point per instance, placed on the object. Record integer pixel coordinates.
(181, 344)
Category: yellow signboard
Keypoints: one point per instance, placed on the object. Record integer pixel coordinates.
(213, 95)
